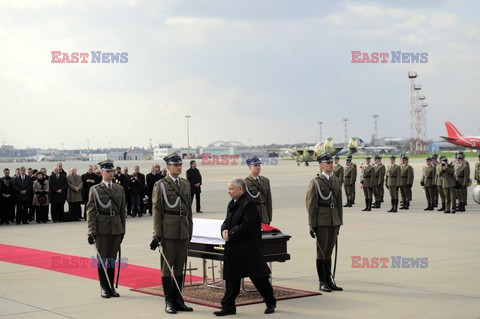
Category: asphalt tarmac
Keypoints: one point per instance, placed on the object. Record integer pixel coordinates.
(445, 285)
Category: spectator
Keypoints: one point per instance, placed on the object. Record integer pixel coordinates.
(40, 198)
(88, 180)
(136, 194)
(7, 202)
(141, 178)
(23, 186)
(127, 190)
(152, 178)
(58, 194)
(195, 179)
(74, 197)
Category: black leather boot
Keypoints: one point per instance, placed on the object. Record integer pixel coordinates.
(441, 209)
(330, 282)
(402, 205)
(168, 292)
(378, 204)
(432, 205)
(111, 276)
(104, 289)
(366, 206)
(375, 204)
(392, 202)
(178, 301)
(407, 205)
(348, 203)
(322, 276)
(396, 206)
(369, 207)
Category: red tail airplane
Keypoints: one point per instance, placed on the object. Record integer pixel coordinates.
(455, 137)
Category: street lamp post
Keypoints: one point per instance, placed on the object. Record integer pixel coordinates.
(188, 135)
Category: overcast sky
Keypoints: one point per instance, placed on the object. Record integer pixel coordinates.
(253, 71)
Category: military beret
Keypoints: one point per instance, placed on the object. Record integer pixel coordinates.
(378, 157)
(173, 158)
(428, 158)
(337, 157)
(405, 157)
(392, 157)
(460, 156)
(253, 161)
(444, 159)
(324, 157)
(434, 156)
(106, 165)
(367, 157)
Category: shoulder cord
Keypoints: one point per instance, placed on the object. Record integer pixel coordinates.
(164, 192)
(320, 192)
(250, 194)
(97, 200)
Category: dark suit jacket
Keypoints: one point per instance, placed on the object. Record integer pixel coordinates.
(87, 186)
(194, 177)
(56, 184)
(20, 185)
(151, 180)
(243, 255)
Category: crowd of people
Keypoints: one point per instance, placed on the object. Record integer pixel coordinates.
(30, 195)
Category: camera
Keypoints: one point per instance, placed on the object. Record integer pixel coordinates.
(444, 164)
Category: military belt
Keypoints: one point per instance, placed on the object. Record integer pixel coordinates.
(331, 205)
(170, 212)
(112, 213)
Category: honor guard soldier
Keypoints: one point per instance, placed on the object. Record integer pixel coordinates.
(106, 215)
(379, 169)
(325, 216)
(393, 182)
(439, 183)
(368, 181)
(477, 170)
(448, 186)
(172, 230)
(434, 182)
(406, 182)
(462, 176)
(338, 168)
(427, 182)
(258, 189)
(349, 179)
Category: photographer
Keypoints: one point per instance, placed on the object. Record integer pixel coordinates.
(448, 186)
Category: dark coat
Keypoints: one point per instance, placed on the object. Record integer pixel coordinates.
(243, 254)
(87, 186)
(20, 185)
(56, 184)
(135, 185)
(194, 177)
(151, 180)
(6, 188)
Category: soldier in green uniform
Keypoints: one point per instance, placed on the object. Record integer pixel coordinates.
(258, 189)
(338, 168)
(477, 170)
(465, 188)
(406, 182)
(448, 185)
(379, 170)
(349, 179)
(106, 215)
(434, 182)
(462, 176)
(368, 181)
(393, 182)
(172, 229)
(439, 183)
(427, 182)
(325, 216)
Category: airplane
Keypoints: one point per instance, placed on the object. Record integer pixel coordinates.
(456, 138)
(310, 154)
(356, 144)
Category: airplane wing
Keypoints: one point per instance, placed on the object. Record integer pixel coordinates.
(448, 139)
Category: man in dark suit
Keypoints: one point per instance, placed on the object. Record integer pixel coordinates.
(195, 179)
(23, 186)
(88, 180)
(152, 178)
(141, 177)
(58, 194)
(7, 201)
(243, 256)
(126, 176)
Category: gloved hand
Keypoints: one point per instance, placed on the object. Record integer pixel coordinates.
(91, 239)
(312, 233)
(155, 242)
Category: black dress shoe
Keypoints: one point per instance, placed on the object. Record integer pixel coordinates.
(181, 306)
(169, 308)
(114, 293)
(105, 293)
(334, 287)
(324, 287)
(225, 312)
(199, 212)
(270, 309)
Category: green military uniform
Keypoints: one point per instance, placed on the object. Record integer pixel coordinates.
(325, 216)
(462, 176)
(106, 216)
(173, 228)
(349, 179)
(465, 188)
(448, 186)
(406, 182)
(258, 189)
(368, 181)
(427, 182)
(393, 182)
(339, 172)
(439, 183)
(378, 190)
(477, 171)
(434, 187)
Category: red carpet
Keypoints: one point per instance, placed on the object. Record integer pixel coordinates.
(131, 276)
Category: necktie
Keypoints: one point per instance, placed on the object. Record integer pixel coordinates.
(176, 182)
(109, 185)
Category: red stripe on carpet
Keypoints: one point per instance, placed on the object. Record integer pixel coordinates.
(131, 276)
